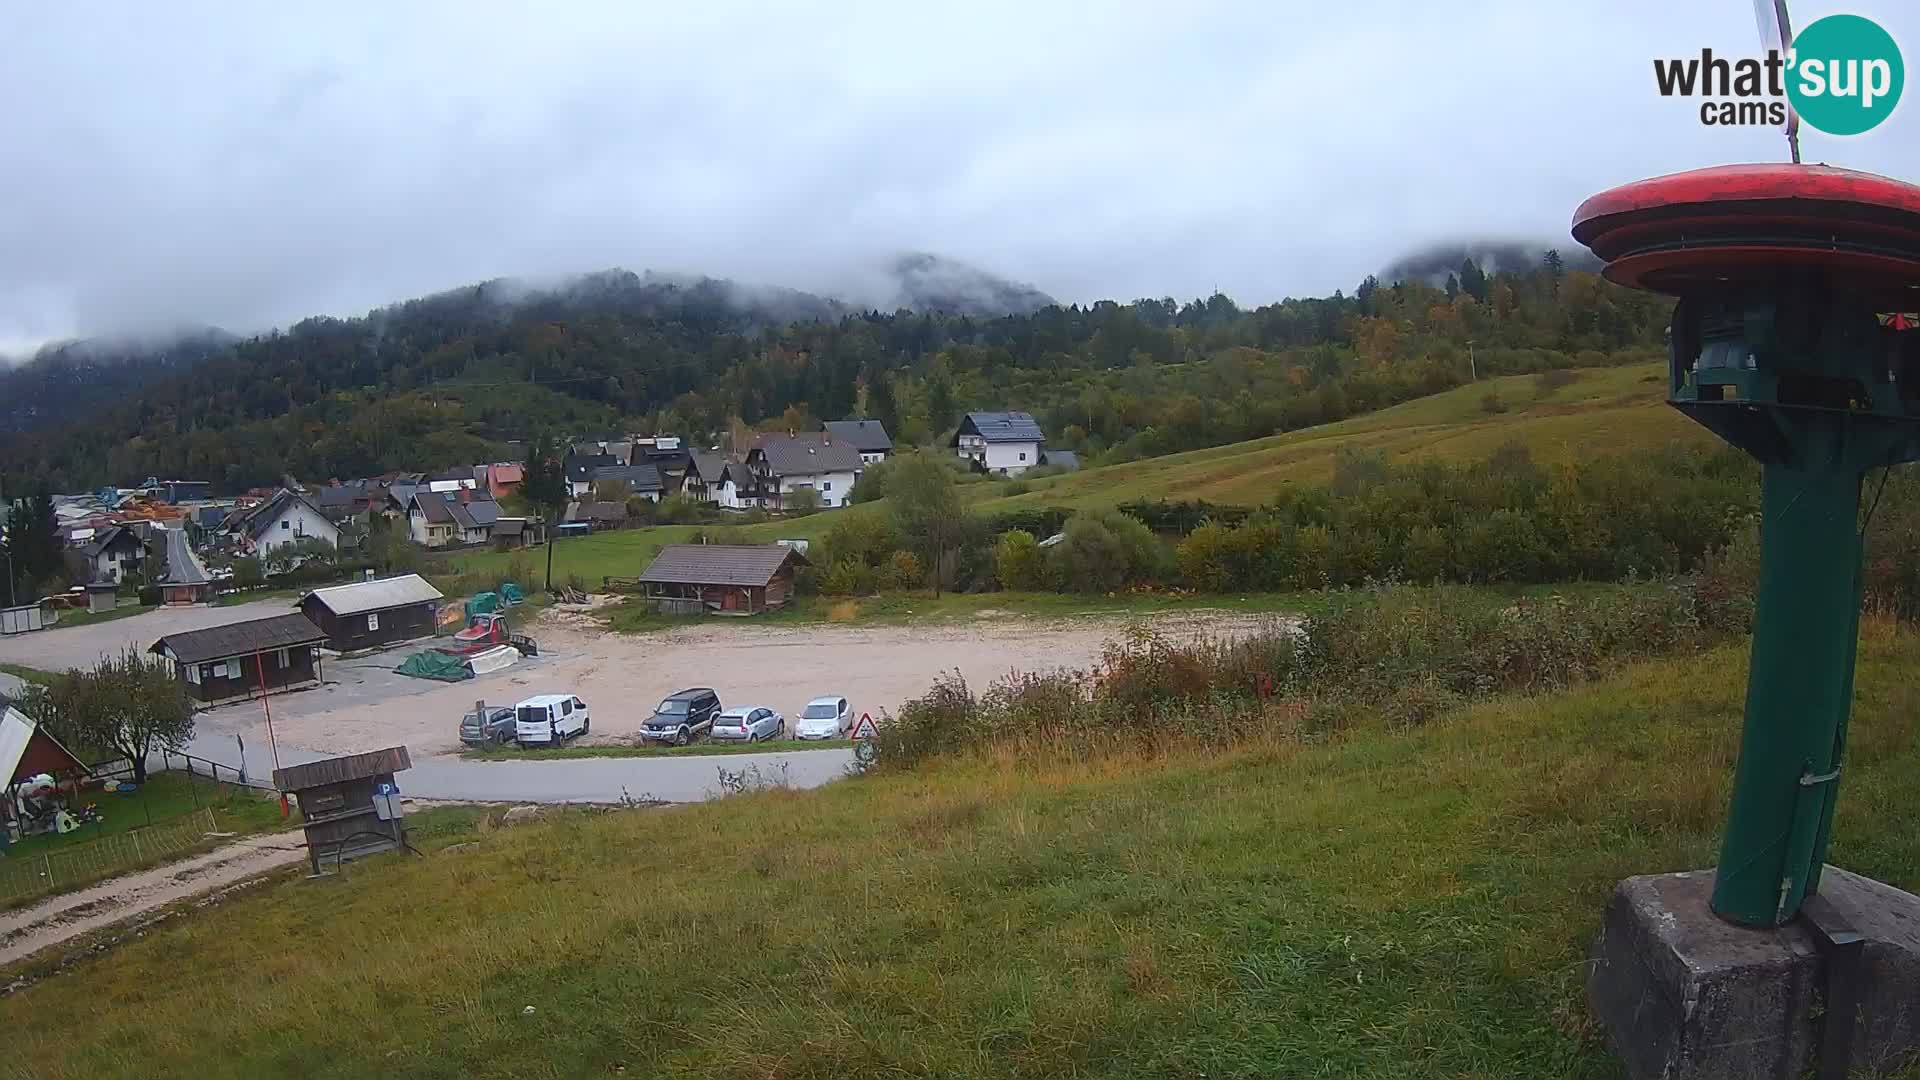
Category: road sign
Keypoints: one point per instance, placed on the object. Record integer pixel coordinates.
(863, 728)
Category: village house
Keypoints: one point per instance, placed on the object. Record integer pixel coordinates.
(450, 519)
(642, 480)
(669, 455)
(369, 614)
(239, 660)
(596, 516)
(784, 464)
(1008, 443)
(580, 468)
(112, 555)
(867, 436)
(721, 579)
(702, 479)
(504, 478)
(514, 533)
(286, 518)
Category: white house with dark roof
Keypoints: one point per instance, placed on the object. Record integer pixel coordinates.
(287, 518)
(784, 464)
(1008, 443)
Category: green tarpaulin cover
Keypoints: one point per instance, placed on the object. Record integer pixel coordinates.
(485, 603)
(511, 593)
(432, 664)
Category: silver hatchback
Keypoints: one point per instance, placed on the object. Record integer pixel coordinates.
(748, 723)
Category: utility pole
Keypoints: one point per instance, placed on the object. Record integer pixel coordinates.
(1472, 375)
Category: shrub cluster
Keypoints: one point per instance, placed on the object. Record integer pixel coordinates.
(1507, 519)
(1404, 655)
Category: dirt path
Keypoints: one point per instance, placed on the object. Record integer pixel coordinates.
(62, 918)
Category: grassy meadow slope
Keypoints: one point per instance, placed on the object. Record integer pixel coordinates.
(1603, 410)
(1378, 903)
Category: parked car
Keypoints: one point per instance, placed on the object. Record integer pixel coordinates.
(683, 717)
(550, 718)
(497, 727)
(748, 723)
(824, 718)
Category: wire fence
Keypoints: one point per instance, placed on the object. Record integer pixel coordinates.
(25, 875)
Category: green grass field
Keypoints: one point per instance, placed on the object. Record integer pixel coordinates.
(83, 617)
(165, 796)
(1384, 903)
(1605, 408)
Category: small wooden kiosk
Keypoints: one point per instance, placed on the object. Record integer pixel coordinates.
(349, 806)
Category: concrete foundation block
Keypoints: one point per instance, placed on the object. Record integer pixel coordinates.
(1685, 995)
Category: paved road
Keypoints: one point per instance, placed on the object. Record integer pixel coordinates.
(678, 778)
(65, 647)
(674, 778)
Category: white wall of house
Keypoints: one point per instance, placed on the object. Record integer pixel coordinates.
(1011, 458)
(726, 494)
(427, 534)
(834, 487)
(297, 521)
(869, 457)
(114, 566)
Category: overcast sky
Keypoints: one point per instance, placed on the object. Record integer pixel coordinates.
(249, 164)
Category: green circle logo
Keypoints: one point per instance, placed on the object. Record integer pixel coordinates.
(1844, 74)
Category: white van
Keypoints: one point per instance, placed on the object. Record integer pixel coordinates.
(549, 718)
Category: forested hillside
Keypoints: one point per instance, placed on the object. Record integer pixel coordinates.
(451, 378)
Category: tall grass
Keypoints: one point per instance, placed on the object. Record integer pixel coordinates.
(1403, 655)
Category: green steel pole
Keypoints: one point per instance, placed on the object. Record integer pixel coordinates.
(1806, 622)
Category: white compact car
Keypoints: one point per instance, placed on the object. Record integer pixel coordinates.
(747, 723)
(549, 718)
(824, 718)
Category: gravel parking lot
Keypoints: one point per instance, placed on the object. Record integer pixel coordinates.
(365, 705)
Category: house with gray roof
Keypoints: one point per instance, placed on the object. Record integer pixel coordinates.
(370, 614)
(867, 436)
(288, 517)
(451, 518)
(721, 579)
(1008, 443)
(238, 660)
(112, 555)
(643, 479)
(816, 461)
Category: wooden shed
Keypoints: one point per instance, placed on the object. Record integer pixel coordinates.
(239, 660)
(725, 579)
(349, 806)
(370, 614)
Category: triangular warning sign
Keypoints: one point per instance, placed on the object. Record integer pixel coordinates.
(863, 728)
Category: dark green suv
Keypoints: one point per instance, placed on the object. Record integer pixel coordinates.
(682, 718)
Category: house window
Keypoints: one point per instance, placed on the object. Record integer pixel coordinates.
(373, 620)
(193, 673)
(826, 485)
(284, 525)
(286, 659)
(1023, 455)
(232, 669)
